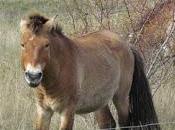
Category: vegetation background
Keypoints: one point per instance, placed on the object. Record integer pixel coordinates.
(146, 24)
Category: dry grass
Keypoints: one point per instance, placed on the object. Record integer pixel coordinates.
(17, 109)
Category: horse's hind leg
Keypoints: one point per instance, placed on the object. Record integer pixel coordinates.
(122, 105)
(104, 118)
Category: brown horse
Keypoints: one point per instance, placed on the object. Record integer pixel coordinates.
(81, 75)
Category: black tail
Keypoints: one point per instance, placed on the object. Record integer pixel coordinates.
(142, 110)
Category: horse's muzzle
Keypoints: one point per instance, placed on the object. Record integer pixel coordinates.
(33, 79)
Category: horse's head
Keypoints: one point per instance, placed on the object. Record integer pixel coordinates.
(35, 46)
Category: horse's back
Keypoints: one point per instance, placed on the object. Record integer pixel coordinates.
(94, 37)
(98, 68)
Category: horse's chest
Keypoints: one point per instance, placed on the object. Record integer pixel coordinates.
(54, 104)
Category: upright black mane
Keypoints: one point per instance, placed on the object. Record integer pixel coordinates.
(35, 22)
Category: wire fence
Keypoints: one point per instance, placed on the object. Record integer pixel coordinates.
(143, 126)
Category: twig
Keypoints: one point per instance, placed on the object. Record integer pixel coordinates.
(70, 12)
(129, 15)
(161, 47)
(137, 35)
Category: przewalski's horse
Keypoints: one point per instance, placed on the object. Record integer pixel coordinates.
(81, 75)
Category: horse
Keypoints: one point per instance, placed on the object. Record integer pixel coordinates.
(82, 75)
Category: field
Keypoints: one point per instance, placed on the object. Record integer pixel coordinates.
(17, 100)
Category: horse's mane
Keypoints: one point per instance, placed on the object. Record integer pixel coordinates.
(35, 22)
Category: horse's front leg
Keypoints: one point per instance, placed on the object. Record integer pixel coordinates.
(43, 118)
(67, 118)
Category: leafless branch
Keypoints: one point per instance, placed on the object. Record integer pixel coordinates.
(161, 47)
(71, 14)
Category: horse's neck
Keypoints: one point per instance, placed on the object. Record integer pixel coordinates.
(61, 62)
(62, 46)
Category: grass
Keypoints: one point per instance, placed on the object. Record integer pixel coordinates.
(17, 109)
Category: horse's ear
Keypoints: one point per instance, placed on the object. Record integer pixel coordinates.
(23, 25)
(51, 26)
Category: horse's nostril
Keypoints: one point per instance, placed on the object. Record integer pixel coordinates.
(40, 74)
(33, 76)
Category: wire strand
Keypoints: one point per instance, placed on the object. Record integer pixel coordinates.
(142, 126)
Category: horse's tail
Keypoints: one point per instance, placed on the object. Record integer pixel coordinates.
(142, 111)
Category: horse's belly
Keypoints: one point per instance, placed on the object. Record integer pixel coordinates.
(92, 98)
(98, 79)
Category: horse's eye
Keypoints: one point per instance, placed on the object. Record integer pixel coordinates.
(47, 45)
(22, 45)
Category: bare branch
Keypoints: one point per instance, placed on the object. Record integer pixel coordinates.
(161, 47)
